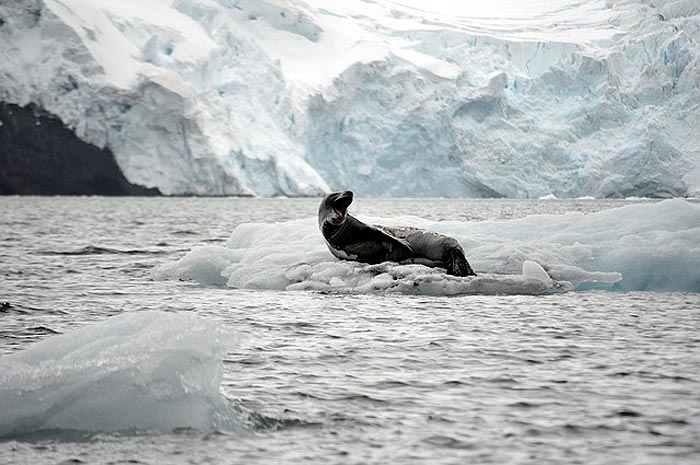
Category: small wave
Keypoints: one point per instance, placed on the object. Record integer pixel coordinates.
(42, 330)
(257, 422)
(448, 442)
(649, 375)
(456, 383)
(625, 413)
(185, 232)
(391, 384)
(23, 309)
(362, 398)
(96, 250)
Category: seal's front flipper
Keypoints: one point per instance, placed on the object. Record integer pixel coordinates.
(398, 248)
(402, 244)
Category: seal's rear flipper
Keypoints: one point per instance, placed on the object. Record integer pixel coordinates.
(457, 265)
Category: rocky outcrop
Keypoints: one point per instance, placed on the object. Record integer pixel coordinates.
(39, 155)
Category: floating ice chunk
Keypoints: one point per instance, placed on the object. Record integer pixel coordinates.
(292, 256)
(336, 282)
(635, 247)
(570, 274)
(147, 370)
(203, 265)
(578, 276)
(533, 270)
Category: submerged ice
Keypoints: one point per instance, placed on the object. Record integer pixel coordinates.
(135, 371)
(635, 247)
(390, 98)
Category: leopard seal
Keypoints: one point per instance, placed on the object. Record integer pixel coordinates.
(348, 238)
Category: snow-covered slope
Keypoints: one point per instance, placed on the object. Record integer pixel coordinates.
(388, 97)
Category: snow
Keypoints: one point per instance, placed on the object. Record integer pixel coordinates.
(544, 98)
(109, 41)
(635, 247)
(146, 370)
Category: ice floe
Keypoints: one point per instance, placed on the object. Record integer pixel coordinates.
(634, 247)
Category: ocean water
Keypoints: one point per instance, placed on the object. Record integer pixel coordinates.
(222, 374)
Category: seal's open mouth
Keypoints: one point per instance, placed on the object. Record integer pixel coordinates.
(341, 204)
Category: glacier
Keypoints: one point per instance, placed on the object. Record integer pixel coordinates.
(402, 98)
(638, 247)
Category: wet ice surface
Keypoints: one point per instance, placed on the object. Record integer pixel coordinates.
(589, 377)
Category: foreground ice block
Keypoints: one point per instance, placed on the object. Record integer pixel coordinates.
(136, 371)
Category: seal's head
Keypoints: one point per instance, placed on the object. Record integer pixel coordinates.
(334, 208)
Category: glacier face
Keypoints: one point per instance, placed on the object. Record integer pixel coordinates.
(389, 97)
(184, 101)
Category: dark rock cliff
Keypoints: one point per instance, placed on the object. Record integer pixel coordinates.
(39, 155)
